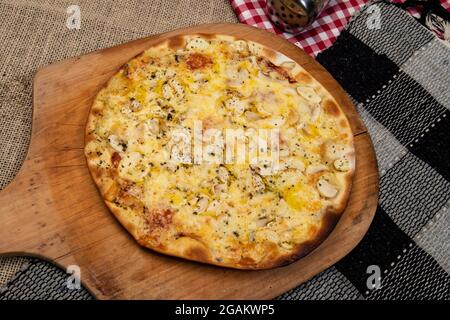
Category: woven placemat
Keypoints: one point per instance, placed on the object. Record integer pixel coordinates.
(33, 33)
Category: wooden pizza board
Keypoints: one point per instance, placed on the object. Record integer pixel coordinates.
(53, 210)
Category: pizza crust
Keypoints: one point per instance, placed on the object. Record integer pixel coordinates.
(192, 247)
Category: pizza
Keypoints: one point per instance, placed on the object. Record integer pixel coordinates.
(158, 147)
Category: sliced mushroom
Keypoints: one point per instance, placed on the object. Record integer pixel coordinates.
(177, 87)
(240, 45)
(293, 117)
(217, 189)
(315, 113)
(284, 151)
(202, 204)
(309, 94)
(152, 126)
(235, 105)
(326, 189)
(133, 166)
(342, 164)
(296, 164)
(289, 91)
(167, 91)
(236, 76)
(268, 235)
(264, 166)
(116, 143)
(252, 116)
(262, 222)
(314, 168)
(254, 48)
(170, 73)
(276, 122)
(223, 174)
(135, 106)
(334, 151)
(262, 111)
(288, 65)
(213, 206)
(197, 44)
(301, 125)
(258, 183)
(286, 245)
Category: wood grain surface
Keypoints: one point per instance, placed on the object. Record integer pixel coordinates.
(53, 210)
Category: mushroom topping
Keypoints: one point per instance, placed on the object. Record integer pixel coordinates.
(251, 116)
(309, 94)
(213, 206)
(235, 105)
(293, 117)
(288, 65)
(236, 77)
(315, 113)
(326, 189)
(177, 87)
(254, 48)
(334, 151)
(294, 163)
(116, 143)
(135, 105)
(258, 183)
(289, 91)
(314, 168)
(301, 125)
(197, 44)
(276, 122)
(342, 164)
(284, 151)
(223, 174)
(217, 189)
(167, 91)
(240, 45)
(262, 112)
(152, 126)
(202, 204)
(262, 222)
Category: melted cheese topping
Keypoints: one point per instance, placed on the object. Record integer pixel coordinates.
(233, 209)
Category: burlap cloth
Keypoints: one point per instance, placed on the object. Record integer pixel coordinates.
(33, 33)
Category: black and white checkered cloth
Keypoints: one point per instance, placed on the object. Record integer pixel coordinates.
(399, 79)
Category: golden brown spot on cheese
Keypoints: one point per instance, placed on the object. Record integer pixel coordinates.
(112, 191)
(247, 261)
(198, 61)
(343, 123)
(198, 253)
(331, 108)
(159, 218)
(313, 178)
(303, 77)
(207, 36)
(115, 159)
(176, 42)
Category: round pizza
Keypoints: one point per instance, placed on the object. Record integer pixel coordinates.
(220, 150)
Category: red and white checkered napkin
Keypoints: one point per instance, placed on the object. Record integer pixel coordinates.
(317, 37)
